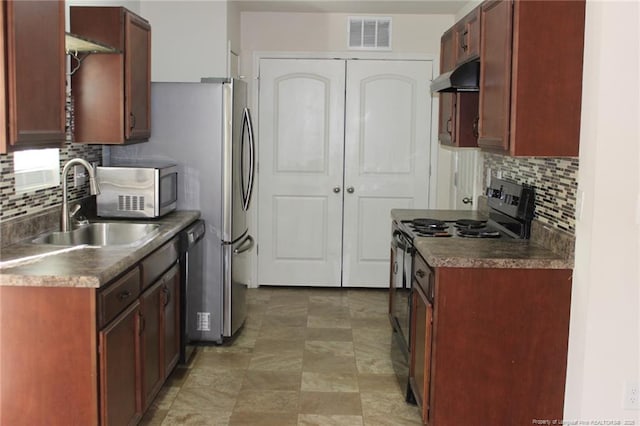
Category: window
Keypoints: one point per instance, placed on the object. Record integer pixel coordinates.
(36, 169)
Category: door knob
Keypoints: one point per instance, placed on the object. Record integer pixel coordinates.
(350, 189)
(467, 200)
(336, 189)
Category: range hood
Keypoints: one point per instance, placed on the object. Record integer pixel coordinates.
(464, 78)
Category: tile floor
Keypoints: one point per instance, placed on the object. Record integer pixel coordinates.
(304, 357)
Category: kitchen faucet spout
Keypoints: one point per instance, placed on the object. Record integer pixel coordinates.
(93, 188)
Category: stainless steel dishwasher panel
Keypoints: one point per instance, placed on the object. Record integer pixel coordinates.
(193, 282)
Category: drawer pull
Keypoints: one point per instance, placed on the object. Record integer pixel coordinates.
(124, 295)
(167, 295)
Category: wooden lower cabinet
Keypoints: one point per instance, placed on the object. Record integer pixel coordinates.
(151, 342)
(119, 369)
(421, 329)
(87, 356)
(497, 349)
(160, 334)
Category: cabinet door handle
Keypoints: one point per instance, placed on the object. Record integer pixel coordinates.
(463, 41)
(132, 121)
(449, 126)
(167, 295)
(142, 323)
(124, 295)
(474, 127)
(420, 273)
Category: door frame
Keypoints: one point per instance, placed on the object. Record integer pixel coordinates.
(253, 102)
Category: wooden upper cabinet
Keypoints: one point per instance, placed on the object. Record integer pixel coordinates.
(137, 64)
(446, 100)
(32, 70)
(458, 112)
(112, 91)
(467, 37)
(531, 77)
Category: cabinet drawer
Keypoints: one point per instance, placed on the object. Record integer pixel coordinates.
(424, 277)
(158, 262)
(118, 296)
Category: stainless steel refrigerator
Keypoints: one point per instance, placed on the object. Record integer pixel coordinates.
(206, 129)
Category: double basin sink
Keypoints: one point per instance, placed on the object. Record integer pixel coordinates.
(102, 234)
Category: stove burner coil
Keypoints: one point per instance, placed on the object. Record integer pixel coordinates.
(478, 233)
(429, 223)
(470, 223)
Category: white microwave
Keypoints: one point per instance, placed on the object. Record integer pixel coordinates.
(137, 190)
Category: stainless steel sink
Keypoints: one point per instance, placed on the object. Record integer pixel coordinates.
(103, 234)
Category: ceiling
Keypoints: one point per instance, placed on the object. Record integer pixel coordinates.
(447, 7)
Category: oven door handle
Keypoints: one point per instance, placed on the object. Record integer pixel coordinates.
(400, 240)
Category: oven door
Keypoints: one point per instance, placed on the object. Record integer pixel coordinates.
(400, 307)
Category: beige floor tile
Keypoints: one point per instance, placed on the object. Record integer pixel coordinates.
(282, 333)
(275, 345)
(327, 363)
(196, 418)
(330, 403)
(329, 347)
(329, 311)
(330, 334)
(267, 402)
(328, 322)
(390, 406)
(329, 382)
(271, 380)
(165, 397)
(378, 383)
(373, 363)
(370, 322)
(305, 356)
(329, 298)
(214, 361)
(229, 380)
(284, 320)
(153, 417)
(204, 399)
(320, 420)
(277, 361)
(263, 419)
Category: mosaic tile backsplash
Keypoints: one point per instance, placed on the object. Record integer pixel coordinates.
(555, 181)
(14, 205)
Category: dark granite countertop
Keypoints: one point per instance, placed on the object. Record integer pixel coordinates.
(85, 266)
(480, 253)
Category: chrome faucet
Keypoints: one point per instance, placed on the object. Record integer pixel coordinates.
(93, 188)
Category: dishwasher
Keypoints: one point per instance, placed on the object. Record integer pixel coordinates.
(192, 250)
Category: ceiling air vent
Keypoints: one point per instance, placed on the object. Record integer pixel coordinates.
(369, 33)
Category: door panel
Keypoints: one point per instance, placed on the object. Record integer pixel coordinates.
(465, 180)
(323, 218)
(301, 133)
(387, 138)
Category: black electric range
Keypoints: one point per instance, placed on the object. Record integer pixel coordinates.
(511, 208)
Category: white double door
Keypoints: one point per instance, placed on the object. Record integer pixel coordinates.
(342, 142)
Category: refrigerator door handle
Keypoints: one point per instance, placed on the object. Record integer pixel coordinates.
(246, 245)
(247, 190)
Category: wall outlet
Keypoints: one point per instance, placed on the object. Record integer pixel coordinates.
(631, 396)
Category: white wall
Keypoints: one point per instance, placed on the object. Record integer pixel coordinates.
(188, 39)
(327, 32)
(604, 342)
